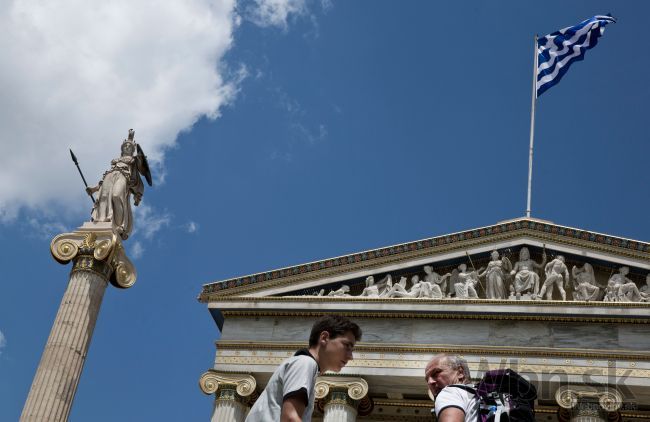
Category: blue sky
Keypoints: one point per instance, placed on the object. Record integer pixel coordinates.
(282, 132)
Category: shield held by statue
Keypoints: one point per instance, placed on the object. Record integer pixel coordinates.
(144, 165)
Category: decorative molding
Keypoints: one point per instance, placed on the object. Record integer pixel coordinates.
(406, 300)
(423, 315)
(545, 409)
(419, 404)
(211, 381)
(537, 230)
(568, 397)
(357, 388)
(387, 364)
(432, 349)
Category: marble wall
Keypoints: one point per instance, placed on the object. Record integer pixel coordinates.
(571, 335)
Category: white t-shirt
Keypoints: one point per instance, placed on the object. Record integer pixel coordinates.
(294, 374)
(452, 396)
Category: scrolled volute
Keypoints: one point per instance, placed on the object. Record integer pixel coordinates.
(104, 248)
(64, 248)
(125, 273)
(357, 388)
(568, 397)
(211, 380)
(611, 400)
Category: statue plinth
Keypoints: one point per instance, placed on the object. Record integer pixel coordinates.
(98, 258)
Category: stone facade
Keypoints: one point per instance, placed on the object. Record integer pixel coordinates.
(588, 359)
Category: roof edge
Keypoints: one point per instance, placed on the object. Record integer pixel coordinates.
(523, 223)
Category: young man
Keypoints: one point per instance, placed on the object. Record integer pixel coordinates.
(289, 395)
(452, 404)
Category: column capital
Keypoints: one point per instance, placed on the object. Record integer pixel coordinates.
(337, 393)
(95, 247)
(568, 397)
(211, 381)
(357, 388)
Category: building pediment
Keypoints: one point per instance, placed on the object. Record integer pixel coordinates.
(417, 299)
(443, 254)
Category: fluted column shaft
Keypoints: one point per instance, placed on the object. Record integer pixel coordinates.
(339, 407)
(99, 258)
(229, 406)
(55, 383)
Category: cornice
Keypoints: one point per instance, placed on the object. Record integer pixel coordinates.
(539, 230)
(430, 301)
(438, 309)
(446, 316)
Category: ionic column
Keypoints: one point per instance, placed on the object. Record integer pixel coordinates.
(341, 396)
(587, 404)
(98, 258)
(234, 394)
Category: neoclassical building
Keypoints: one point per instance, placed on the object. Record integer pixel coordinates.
(567, 308)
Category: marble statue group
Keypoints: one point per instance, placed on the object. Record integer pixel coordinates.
(526, 279)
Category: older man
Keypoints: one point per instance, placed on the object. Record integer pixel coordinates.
(446, 376)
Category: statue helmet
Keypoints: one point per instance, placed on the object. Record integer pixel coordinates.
(130, 141)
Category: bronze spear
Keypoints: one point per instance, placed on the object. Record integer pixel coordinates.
(81, 174)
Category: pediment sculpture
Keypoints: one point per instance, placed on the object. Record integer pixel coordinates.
(527, 279)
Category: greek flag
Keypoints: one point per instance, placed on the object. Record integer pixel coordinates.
(556, 51)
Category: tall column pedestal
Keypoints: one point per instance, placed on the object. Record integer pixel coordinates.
(98, 259)
(234, 394)
(340, 397)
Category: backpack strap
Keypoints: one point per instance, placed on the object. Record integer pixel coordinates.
(467, 387)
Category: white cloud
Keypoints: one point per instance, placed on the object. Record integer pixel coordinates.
(80, 74)
(45, 229)
(304, 133)
(267, 13)
(284, 156)
(326, 5)
(192, 227)
(137, 250)
(3, 341)
(149, 221)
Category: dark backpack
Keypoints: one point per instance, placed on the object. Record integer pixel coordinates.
(504, 396)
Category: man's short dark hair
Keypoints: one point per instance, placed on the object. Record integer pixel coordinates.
(336, 326)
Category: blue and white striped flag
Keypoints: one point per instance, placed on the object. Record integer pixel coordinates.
(556, 51)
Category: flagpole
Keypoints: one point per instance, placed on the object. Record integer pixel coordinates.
(532, 129)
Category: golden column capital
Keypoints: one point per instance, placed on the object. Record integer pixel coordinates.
(95, 247)
(211, 381)
(357, 388)
(346, 391)
(569, 396)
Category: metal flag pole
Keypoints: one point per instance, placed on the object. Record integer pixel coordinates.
(532, 129)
